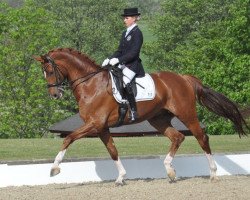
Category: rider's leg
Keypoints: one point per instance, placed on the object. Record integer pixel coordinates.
(128, 75)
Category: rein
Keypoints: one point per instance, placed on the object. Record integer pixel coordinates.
(85, 78)
(57, 72)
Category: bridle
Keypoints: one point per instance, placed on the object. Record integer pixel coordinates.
(56, 71)
(60, 82)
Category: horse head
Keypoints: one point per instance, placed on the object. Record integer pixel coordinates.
(65, 64)
(54, 75)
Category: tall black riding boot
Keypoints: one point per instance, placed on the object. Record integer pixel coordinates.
(131, 100)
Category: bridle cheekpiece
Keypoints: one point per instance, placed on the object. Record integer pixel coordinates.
(56, 70)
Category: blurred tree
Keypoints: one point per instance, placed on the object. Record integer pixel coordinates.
(208, 39)
(25, 107)
(90, 26)
(13, 3)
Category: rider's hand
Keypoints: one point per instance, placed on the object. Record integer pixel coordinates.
(113, 61)
(105, 62)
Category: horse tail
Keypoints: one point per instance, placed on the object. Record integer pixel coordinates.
(218, 104)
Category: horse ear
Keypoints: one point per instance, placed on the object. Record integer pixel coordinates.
(38, 58)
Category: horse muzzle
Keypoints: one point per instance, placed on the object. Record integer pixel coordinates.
(56, 93)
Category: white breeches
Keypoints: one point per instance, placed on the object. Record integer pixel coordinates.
(128, 75)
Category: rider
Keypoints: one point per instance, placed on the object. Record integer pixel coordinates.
(127, 55)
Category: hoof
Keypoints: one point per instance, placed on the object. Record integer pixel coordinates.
(54, 171)
(171, 174)
(214, 179)
(120, 183)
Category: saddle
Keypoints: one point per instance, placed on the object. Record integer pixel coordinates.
(143, 89)
(117, 82)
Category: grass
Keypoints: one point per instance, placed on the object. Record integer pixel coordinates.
(35, 149)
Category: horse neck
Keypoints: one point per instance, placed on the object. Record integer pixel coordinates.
(76, 65)
(83, 74)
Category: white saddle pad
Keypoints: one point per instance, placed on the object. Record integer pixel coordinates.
(145, 89)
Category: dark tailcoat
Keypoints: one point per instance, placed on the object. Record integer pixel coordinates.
(129, 51)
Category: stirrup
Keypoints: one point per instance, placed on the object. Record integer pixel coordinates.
(133, 115)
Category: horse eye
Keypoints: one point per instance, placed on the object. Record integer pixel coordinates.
(50, 73)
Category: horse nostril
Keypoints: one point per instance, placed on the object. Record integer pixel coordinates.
(54, 96)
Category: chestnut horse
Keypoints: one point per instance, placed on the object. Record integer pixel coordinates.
(176, 95)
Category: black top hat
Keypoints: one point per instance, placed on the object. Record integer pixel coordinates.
(131, 12)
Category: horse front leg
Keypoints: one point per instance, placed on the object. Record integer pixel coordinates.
(109, 143)
(55, 168)
(79, 133)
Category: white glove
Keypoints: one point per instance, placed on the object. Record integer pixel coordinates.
(113, 61)
(105, 62)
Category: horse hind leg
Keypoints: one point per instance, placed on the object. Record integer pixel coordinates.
(163, 125)
(203, 141)
(176, 139)
(109, 143)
